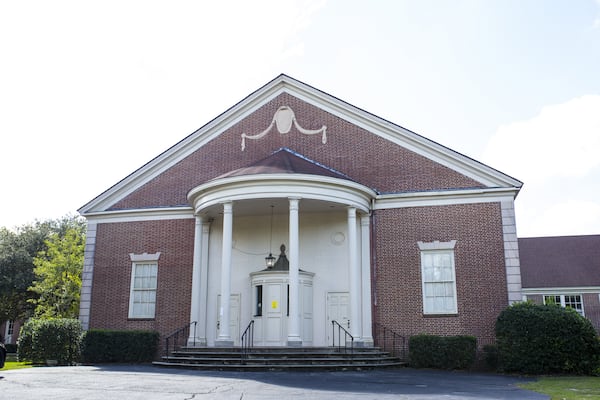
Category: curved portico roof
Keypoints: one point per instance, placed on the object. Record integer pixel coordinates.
(285, 161)
(284, 174)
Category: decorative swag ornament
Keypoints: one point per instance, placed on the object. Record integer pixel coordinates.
(283, 119)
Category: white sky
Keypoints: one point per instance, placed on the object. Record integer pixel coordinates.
(90, 91)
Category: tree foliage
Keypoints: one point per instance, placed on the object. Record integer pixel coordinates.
(58, 272)
(18, 248)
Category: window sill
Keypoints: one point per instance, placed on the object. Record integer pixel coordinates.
(141, 318)
(440, 315)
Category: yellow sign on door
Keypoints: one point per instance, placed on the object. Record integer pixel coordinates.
(274, 304)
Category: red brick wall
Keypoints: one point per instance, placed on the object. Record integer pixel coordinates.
(591, 308)
(16, 329)
(479, 261)
(174, 239)
(365, 157)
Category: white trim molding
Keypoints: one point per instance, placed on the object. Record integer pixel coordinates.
(144, 257)
(561, 290)
(511, 252)
(142, 214)
(281, 186)
(443, 198)
(437, 245)
(87, 276)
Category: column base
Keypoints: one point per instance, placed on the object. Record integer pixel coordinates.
(364, 343)
(196, 342)
(294, 342)
(223, 343)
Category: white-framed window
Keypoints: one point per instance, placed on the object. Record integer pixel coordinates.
(8, 334)
(144, 282)
(438, 277)
(573, 301)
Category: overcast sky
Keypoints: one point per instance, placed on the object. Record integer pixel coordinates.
(90, 91)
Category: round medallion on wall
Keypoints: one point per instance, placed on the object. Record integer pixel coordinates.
(337, 238)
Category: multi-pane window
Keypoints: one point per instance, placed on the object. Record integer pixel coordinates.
(566, 300)
(144, 273)
(438, 278)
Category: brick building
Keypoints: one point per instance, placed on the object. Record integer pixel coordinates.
(369, 222)
(563, 270)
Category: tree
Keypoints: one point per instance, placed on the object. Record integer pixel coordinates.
(17, 250)
(58, 272)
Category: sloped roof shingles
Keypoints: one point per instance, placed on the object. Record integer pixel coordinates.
(562, 261)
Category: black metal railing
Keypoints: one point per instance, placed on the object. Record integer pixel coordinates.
(340, 329)
(390, 341)
(247, 340)
(179, 338)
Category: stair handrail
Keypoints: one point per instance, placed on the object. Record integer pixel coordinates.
(247, 339)
(384, 335)
(347, 335)
(174, 338)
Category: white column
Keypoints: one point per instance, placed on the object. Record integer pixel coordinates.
(193, 339)
(354, 272)
(201, 329)
(224, 339)
(365, 252)
(294, 338)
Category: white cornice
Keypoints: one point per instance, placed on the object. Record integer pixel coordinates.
(260, 186)
(562, 290)
(443, 198)
(285, 84)
(146, 214)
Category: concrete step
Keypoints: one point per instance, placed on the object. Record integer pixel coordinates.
(279, 358)
(280, 367)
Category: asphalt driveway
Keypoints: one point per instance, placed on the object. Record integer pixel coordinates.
(152, 383)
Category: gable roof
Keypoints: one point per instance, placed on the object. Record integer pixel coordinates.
(488, 176)
(561, 261)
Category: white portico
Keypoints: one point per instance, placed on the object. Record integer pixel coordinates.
(321, 216)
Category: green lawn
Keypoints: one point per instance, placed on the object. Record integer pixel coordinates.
(12, 363)
(566, 387)
(16, 365)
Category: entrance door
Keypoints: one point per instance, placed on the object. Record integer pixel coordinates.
(234, 317)
(337, 310)
(275, 314)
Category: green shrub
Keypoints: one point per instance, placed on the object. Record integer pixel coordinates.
(105, 346)
(445, 352)
(50, 339)
(546, 339)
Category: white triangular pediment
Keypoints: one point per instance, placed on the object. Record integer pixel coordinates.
(396, 134)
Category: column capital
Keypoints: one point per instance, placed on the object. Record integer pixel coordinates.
(294, 203)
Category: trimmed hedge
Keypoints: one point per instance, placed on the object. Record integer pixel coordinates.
(444, 352)
(546, 339)
(50, 339)
(117, 346)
